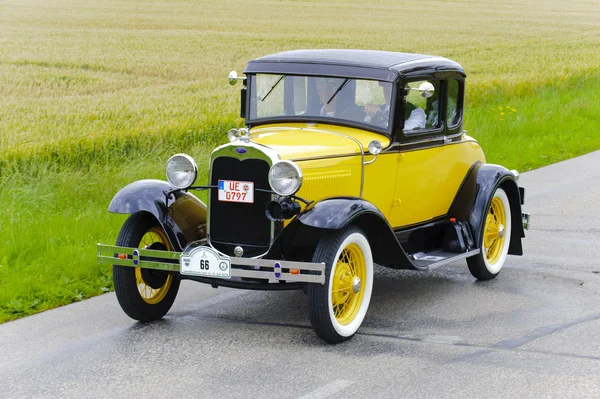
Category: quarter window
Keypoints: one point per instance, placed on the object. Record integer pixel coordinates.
(453, 115)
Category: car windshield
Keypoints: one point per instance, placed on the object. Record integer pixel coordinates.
(298, 98)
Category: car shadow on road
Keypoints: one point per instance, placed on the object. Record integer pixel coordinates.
(404, 304)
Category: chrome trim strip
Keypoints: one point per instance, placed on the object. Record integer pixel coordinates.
(424, 141)
(444, 139)
(398, 146)
(171, 267)
(301, 278)
(143, 252)
(286, 264)
(324, 157)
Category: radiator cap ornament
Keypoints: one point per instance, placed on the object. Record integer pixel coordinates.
(238, 251)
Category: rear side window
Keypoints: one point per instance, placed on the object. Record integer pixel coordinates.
(453, 114)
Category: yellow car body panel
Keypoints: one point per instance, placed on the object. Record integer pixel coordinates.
(298, 141)
(407, 186)
(429, 179)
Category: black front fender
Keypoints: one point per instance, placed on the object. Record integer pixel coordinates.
(182, 215)
(326, 216)
(474, 197)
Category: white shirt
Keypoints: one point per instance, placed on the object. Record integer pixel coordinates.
(416, 120)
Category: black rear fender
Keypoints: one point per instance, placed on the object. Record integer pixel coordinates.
(474, 197)
(182, 215)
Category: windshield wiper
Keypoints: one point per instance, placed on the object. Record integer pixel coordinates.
(271, 89)
(338, 90)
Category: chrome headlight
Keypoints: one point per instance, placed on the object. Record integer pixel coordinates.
(181, 171)
(285, 178)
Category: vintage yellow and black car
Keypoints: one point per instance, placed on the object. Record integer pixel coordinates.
(349, 158)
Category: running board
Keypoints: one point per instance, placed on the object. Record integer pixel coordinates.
(433, 260)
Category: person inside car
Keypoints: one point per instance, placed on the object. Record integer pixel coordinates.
(326, 88)
(414, 116)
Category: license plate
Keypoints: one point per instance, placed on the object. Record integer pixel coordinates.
(205, 262)
(236, 191)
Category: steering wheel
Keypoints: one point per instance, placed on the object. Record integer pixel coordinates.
(379, 119)
(354, 113)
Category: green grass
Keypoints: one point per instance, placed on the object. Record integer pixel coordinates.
(557, 122)
(97, 95)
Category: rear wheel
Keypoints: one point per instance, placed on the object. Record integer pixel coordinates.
(495, 239)
(337, 309)
(144, 294)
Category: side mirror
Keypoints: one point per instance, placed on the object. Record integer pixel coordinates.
(426, 89)
(233, 78)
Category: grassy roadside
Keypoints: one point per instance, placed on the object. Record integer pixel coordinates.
(52, 220)
(554, 123)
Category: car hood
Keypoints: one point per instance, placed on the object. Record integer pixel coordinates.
(308, 141)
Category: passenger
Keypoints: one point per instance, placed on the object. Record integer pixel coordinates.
(416, 119)
(416, 116)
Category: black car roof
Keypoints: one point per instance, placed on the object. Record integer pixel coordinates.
(351, 62)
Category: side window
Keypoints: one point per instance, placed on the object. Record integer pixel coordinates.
(422, 106)
(453, 115)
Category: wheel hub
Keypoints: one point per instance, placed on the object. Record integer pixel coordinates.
(501, 231)
(356, 283)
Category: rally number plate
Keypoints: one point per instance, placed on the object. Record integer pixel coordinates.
(236, 191)
(205, 262)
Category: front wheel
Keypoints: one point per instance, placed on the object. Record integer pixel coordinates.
(495, 239)
(144, 294)
(337, 309)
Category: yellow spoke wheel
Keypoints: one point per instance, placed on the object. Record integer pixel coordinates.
(494, 231)
(337, 308)
(495, 238)
(147, 292)
(144, 294)
(349, 267)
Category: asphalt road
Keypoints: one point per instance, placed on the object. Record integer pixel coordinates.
(531, 332)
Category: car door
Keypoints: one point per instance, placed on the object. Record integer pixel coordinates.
(431, 164)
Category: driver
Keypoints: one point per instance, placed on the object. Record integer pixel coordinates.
(372, 109)
(326, 88)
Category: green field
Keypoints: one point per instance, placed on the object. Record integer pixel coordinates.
(95, 95)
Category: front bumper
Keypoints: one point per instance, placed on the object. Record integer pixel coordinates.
(265, 269)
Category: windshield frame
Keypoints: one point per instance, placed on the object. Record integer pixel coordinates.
(250, 122)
